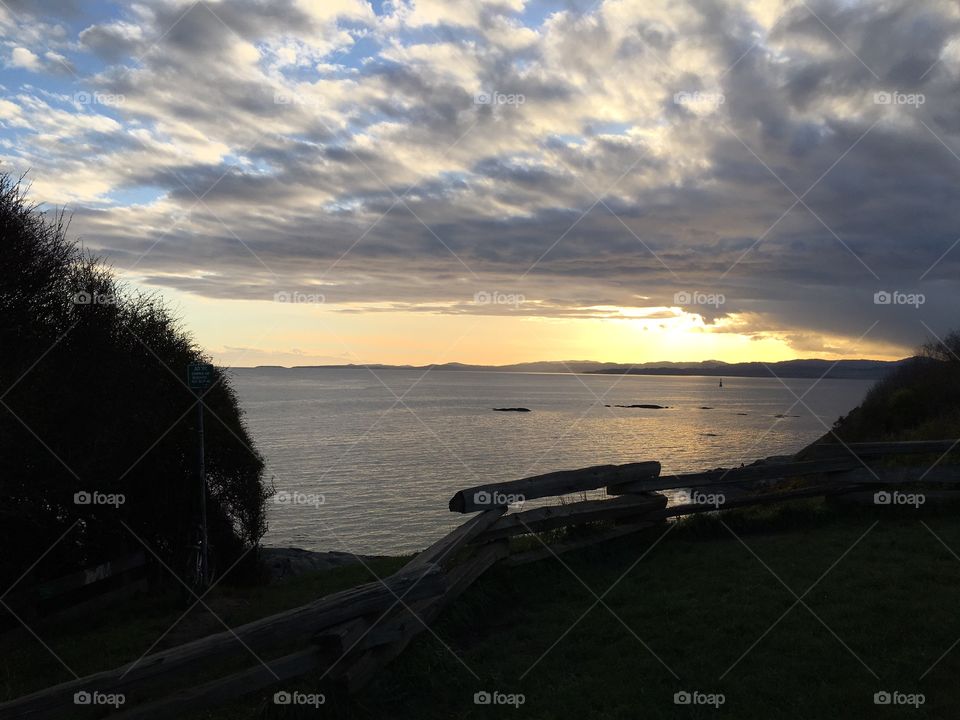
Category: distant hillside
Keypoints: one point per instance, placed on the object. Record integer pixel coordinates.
(830, 369)
(843, 369)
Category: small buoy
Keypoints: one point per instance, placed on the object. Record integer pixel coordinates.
(721, 382)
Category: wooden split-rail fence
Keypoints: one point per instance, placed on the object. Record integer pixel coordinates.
(85, 591)
(349, 635)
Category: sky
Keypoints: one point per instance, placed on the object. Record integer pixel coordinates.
(497, 182)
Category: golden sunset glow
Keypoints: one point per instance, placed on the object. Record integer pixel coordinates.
(308, 334)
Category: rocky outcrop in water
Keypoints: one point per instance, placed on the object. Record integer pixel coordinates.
(645, 406)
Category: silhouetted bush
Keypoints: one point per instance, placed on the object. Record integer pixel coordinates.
(920, 400)
(93, 398)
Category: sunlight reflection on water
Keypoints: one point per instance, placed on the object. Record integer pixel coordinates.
(386, 469)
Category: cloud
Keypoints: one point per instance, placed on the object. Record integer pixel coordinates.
(609, 157)
(113, 41)
(23, 58)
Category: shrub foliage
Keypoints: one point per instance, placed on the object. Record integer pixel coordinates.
(93, 398)
(920, 400)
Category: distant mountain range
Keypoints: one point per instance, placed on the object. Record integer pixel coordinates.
(813, 368)
(831, 369)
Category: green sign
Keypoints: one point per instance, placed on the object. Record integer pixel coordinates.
(199, 375)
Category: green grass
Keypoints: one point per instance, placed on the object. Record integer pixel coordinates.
(693, 605)
(698, 601)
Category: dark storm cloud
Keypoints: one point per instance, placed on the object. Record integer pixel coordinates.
(112, 42)
(390, 182)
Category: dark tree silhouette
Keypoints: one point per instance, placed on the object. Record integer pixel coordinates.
(93, 398)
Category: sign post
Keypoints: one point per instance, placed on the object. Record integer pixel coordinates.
(200, 377)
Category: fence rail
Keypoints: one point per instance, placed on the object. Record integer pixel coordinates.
(83, 591)
(353, 633)
(484, 497)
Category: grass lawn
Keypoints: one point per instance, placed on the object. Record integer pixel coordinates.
(707, 607)
(685, 616)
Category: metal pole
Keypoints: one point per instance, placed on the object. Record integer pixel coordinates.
(204, 567)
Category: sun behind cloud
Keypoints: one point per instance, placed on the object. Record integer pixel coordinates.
(602, 162)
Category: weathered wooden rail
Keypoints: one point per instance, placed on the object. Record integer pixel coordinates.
(484, 497)
(87, 590)
(350, 635)
(178, 666)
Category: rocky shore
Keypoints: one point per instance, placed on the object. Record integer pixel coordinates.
(285, 563)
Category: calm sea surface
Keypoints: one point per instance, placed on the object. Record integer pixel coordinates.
(384, 453)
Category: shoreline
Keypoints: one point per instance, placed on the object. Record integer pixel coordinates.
(290, 562)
